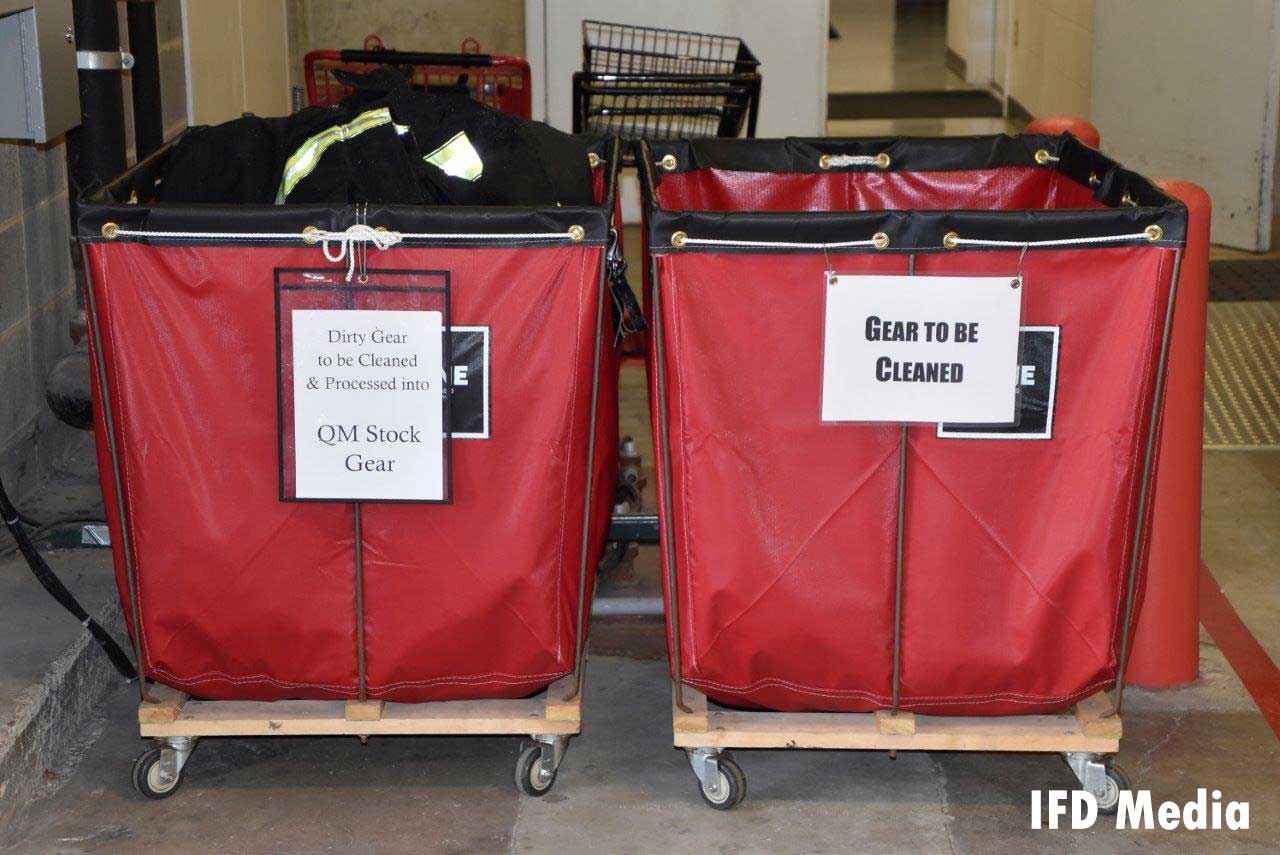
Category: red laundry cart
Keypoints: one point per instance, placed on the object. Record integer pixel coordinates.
(259, 603)
(931, 574)
(502, 82)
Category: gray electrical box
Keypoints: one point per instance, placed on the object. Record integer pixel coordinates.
(39, 86)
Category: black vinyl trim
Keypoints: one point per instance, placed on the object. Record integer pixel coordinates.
(916, 230)
(111, 205)
(909, 231)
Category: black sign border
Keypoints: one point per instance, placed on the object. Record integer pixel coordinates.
(487, 402)
(1053, 394)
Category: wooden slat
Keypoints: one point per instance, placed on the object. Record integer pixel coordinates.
(329, 718)
(694, 721)
(558, 706)
(895, 724)
(364, 710)
(166, 707)
(739, 729)
(1093, 714)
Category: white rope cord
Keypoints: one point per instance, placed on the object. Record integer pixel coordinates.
(347, 240)
(950, 241)
(838, 160)
(956, 240)
(688, 241)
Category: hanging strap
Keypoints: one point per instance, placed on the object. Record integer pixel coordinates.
(627, 314)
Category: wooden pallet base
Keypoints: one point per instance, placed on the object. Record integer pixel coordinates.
(173, 714)
(1086, 728)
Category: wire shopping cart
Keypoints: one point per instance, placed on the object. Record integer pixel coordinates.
(502, 82)
(664, 84)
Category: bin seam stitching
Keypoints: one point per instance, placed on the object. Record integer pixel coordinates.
(923, 700)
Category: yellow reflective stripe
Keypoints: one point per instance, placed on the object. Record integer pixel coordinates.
(457, 157)
(301, 163)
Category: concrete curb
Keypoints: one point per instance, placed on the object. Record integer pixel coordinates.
(52, 712)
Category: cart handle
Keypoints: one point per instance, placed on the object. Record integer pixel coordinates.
(399, 57)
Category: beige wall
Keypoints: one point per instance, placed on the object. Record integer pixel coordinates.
(958, 28)
(1052, 55)
(440, 25)
(237, 59)
(1050, 45)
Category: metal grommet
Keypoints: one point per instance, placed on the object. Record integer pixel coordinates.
(110, 230)
(1015, 283)
(593, 159)
(950, 240)
(1043, 156)
(1094, 180)
(882, 160)
(1153, 232)
(668, 162)
(678, 238)
(824, 162)
(311, 234)
(880, 240)
(577, 232)
(832, 279)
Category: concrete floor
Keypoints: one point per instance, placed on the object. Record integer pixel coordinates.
(622, 788)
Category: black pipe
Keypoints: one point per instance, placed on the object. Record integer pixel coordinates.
(148, 120)
(96, 149)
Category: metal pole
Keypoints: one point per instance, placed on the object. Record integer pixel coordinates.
(148, 120)
(627, 606)
(1148, 461)
(96, 148)
(359, 551)
(897, 582)
(665, 510)
(901, 547)
(126, 542)
(581, 647)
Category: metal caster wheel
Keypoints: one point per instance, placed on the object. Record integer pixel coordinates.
(1116, 782)
(151, 777)
(727, 787)
(533, 778)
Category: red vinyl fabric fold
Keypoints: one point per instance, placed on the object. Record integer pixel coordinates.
(243, 596)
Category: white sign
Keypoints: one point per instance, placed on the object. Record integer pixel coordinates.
(921, 349)
(368, 408)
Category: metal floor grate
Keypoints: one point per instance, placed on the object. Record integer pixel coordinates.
(1244, 279)
(1242, 375)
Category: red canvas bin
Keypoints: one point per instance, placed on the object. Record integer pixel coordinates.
(1021, 557)
(232, 593)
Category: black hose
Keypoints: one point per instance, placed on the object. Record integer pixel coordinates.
(45, 575)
